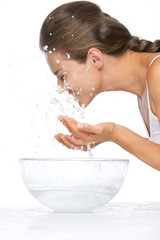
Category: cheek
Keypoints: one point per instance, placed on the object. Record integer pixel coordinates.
(83, 82)
(89, 84)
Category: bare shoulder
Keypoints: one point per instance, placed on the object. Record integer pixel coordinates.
(153, 78)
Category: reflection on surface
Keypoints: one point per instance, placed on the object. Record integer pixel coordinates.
(125, 221)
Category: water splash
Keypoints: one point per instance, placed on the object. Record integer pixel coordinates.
(41, 104)
(68, 55)
(89, 150)
(45, 123)
(45, 47)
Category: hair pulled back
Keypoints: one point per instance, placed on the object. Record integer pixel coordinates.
(75, 27)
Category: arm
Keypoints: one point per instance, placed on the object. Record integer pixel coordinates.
(140, 147)
(83, 133)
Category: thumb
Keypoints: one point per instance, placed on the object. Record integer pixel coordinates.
(85, 127)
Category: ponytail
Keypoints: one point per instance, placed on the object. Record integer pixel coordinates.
(141, 45)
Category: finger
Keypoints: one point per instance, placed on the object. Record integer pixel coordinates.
(75, 141)
(63, 119)
(70, 123)
(85, 127)
(80, 143)
(65, 142)
(57, 138)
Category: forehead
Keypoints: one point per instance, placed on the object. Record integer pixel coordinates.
(54, 56)
(55, 60)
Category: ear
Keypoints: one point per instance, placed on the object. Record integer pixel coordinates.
(95, 57)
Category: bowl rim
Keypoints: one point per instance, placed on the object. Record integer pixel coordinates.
(82, 159)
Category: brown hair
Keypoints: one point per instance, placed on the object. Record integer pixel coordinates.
(75, 27)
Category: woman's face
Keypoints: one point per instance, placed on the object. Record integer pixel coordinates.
(80, 79)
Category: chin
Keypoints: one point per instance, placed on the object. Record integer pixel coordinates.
(86, 102)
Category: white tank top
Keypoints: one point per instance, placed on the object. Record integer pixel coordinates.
(153, 120)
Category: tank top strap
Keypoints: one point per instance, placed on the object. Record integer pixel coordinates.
(148, 101)
(149, 108)
(153, 60)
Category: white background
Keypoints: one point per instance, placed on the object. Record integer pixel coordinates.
(22, 75)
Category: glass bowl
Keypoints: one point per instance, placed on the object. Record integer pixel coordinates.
(73, 185)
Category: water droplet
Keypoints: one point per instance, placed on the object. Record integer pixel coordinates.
(87, 68)
(45, 47)
(80, 89)
(57, 61)
(62, 66)
(72, 35)
(74, 75)
(62, 37)
(68, 55)
(91, 94)
(73, 16)
(51, 17)
(83, 106)
(54, 49)
(50, 52)
(93, 89)
(88, 147)
(51, 34)
(77, 93)
(89, 150)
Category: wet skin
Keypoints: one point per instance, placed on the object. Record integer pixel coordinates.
(83, 80)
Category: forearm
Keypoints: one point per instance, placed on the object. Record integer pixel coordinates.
(83, 133)
(140, 147)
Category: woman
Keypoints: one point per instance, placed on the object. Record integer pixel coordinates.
(90, 52)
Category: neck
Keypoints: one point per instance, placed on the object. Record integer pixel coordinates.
(126, 73)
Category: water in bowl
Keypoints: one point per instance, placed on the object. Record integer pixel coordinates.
(72, 200)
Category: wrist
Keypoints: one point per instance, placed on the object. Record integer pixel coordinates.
(110, 131)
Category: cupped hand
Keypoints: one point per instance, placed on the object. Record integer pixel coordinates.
(83, 134)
